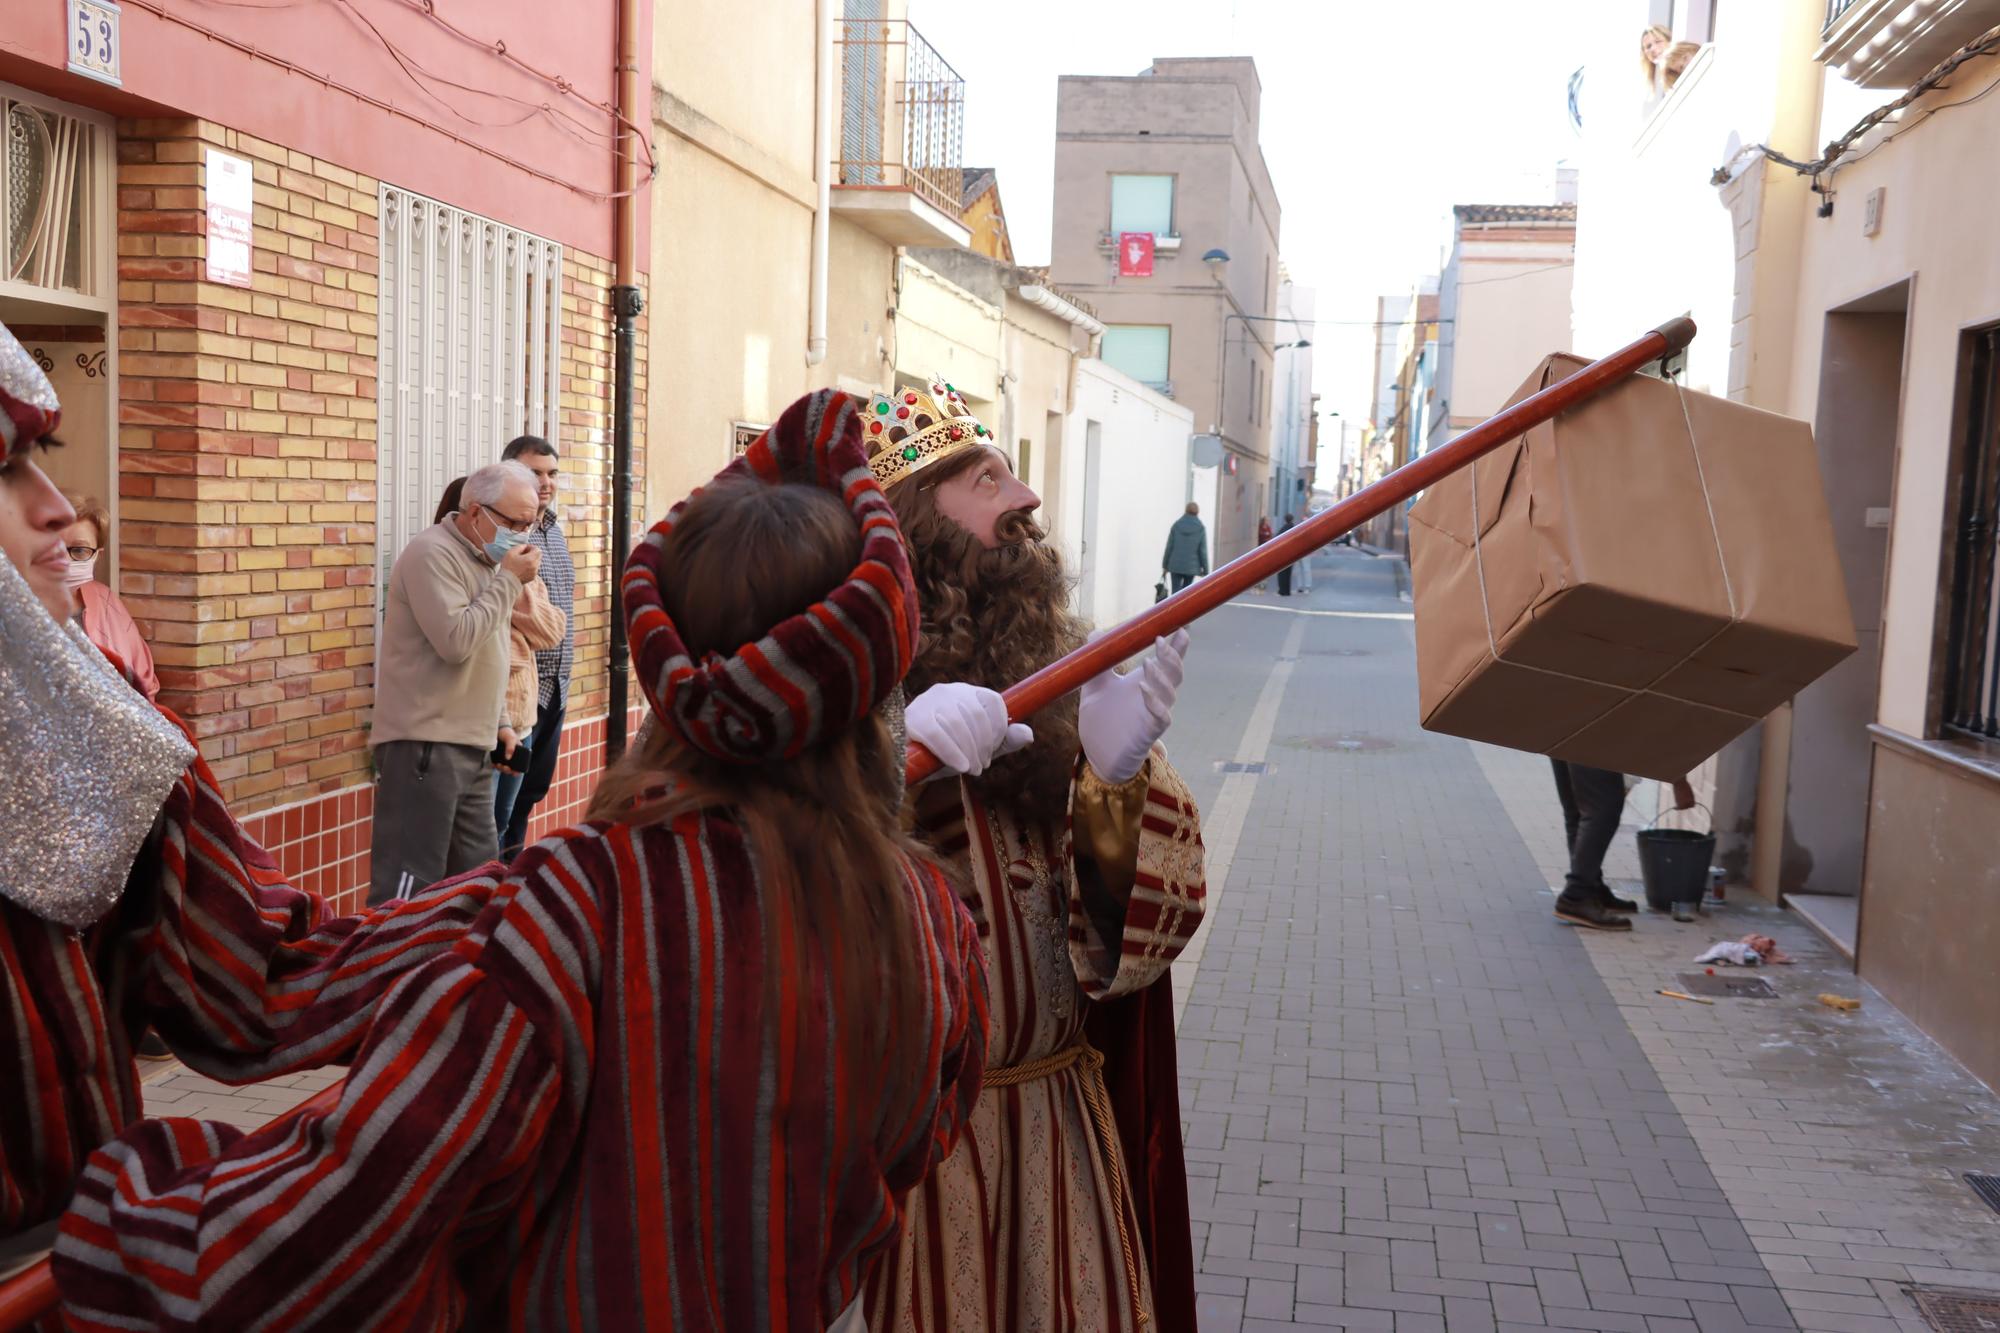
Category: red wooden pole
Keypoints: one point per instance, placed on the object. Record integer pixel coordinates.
(1043, 688)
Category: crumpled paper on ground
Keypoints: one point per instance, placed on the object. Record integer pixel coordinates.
(1750, 951)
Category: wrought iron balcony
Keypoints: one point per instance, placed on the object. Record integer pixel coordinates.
(1834, 9)
(902, 129)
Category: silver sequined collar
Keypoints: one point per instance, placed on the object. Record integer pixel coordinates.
(85, 764)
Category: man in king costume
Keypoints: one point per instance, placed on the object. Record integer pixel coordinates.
(1064, 1207)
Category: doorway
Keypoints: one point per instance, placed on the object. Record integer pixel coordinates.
(1827, 787)
(56, 281)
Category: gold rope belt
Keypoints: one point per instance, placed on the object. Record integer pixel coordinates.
(1097, 1098)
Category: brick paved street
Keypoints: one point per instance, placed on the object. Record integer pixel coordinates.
(1414, 1101)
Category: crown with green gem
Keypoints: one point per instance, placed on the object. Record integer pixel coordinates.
(910, 429)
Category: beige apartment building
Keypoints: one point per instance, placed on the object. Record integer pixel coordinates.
(1503, 305)
(1172, 154)
(786, 185)
(1861, 294)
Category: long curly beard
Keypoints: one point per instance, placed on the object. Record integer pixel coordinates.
(993, 618)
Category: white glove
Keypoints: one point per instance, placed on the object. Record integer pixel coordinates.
(1120, 718)
(965, 726)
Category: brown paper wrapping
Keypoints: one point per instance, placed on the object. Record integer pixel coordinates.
(1629, 586)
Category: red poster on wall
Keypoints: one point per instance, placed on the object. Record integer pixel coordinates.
(1135, 254)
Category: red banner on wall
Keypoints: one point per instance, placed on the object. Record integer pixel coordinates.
(1135, 254)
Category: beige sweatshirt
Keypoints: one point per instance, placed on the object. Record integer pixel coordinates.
(537, 623)
(441, 670)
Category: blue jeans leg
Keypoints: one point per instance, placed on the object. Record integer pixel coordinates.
(546, 742)
(506, 786)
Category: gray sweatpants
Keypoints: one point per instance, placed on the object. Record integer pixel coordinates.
(433, 815)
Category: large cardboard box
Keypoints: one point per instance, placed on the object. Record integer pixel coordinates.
(1631, 585)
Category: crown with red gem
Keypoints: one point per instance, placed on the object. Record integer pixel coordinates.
(910, 429)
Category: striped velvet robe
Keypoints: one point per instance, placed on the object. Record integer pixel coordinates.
(600, 1111)
(1031, 1226)
(244, 976)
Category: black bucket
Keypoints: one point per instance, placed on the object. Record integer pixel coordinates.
(1674, 864)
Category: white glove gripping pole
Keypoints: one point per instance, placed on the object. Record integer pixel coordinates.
(965, 726)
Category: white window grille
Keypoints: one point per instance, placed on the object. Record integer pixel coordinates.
(471, 341)
(55, 201)
(743, 434)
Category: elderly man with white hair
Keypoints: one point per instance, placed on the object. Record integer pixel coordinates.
(441, 683)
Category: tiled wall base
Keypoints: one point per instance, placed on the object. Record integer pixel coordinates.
(322, 844)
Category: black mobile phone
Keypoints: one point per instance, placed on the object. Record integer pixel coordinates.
(518, 764)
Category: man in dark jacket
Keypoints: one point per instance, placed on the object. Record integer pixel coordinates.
(1187, 548)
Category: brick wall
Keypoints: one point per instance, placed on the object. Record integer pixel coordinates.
(247, 455)
(247, 458)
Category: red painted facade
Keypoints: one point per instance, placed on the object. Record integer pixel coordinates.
(380, 87)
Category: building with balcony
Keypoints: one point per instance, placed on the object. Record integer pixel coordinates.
(1855, 286)
(1171, 155)
(787, 183)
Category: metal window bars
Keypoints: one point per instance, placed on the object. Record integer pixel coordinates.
(471, 338)
(47, 197)
(1972, 653)
(896, 89)
(1834, 9)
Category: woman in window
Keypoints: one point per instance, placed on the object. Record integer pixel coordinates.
(103, 616)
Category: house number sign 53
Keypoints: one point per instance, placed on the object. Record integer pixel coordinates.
(93, 39)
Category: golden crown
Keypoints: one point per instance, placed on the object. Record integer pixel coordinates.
(909, 430)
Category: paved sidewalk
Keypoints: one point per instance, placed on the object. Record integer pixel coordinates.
(1414, 1101)
(172, 1089)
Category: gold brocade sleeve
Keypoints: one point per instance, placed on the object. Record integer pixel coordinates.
(1104, 824)
(1137, 882)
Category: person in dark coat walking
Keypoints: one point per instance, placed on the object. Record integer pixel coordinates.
(1187, 548)
(1285, 574)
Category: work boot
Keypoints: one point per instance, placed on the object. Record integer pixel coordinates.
(1580, 909)
(1612, 900)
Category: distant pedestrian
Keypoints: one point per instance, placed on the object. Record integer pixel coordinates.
(1263, 535)
(552, 665)
(440, 684)
(1285, 574)
(1186, 558)
(1593, 799)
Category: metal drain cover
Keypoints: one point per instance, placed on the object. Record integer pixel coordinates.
(1356, 742)
(1986, 1187)
(1727, 986)
(1957, 1311)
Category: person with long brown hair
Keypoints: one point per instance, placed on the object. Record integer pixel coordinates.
(684, 1070)
(1066, 1205)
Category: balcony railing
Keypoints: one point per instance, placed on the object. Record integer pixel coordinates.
(1834, 9)
(897, 92)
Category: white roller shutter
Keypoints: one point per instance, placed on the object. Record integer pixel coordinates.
(470, 356)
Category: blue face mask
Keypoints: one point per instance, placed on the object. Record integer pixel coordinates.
(504, 540)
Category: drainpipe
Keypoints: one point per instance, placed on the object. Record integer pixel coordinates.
(823, 173)
(625, 306)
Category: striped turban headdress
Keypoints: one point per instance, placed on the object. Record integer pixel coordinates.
(28, 406)
(817, 673)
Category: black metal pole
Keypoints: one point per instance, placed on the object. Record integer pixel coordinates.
(626, 303)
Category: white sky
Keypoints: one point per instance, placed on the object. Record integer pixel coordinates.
(1377, 118)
